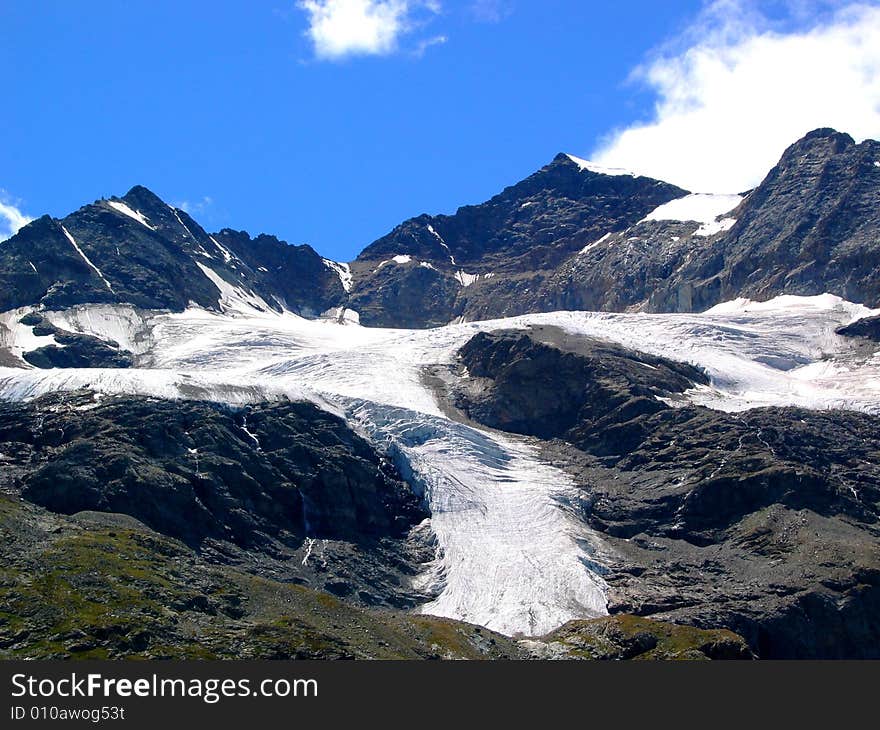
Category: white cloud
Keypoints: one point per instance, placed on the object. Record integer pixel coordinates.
(739, 88)
(342, 28)
(11, 218)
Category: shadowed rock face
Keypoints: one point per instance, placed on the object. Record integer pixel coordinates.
(295, 276)
(247, 486)
(527, 386)
(810, 227)
(765, 522)
(195, 471)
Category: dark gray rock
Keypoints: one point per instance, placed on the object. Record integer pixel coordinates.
(74, 350)
(812, 226)
(521, 382)
(294, 276)
(867, 327)
(567, 239)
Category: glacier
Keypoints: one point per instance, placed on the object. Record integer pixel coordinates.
(512, 552)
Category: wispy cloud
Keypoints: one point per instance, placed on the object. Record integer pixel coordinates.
(11, 217)
(739, 86)
(339, 29)
(490, 11)
(197, 207)
(424, 45)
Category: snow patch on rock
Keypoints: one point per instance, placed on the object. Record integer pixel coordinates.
(699, 207)
(121, 207)
(343, 271)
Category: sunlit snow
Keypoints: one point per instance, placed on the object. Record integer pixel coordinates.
(466, 279)
(591, 246)
(699, 207)
(135, 214)
(343, 271)
(593, 167)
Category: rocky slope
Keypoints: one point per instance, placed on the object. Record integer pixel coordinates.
(432, 269)
(102, 585)
(765, 522)
(284, 489)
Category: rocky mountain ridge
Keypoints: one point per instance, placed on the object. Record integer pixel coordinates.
(569, 237)
(138, 250)
(810, 227)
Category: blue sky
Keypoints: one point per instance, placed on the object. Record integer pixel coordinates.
(330, 121)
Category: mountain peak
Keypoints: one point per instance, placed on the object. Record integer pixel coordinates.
(828, 133)
(140, 197)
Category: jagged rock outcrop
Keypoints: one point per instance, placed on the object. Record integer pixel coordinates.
(810, 227)
(569, 238)
(72, 349)
(522, 384)
(294, 276)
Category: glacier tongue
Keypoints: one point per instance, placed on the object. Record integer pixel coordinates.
(513, 557)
